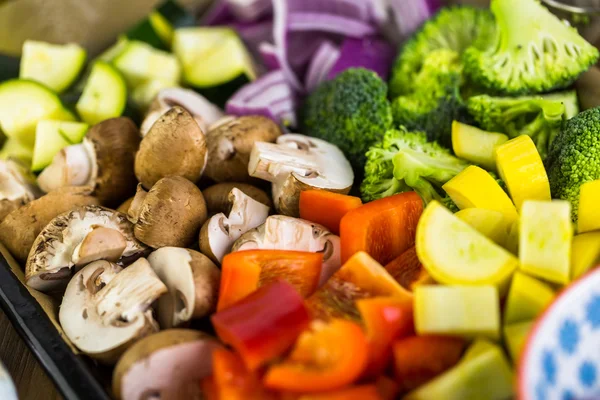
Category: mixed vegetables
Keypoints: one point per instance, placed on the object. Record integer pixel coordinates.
(401, 245)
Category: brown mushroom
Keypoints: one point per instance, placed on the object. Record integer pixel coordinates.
(16, 188)
(124, 207)
(217, 196)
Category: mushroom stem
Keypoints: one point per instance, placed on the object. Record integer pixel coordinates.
(72, 166)
(100, 244)
(133, 214)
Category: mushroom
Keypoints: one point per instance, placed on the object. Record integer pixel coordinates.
(296, 163)
(204, 112)
(16, 188)
(175, 145)
(230, 142)
(104, 161)
(76, 238)
(106, 308)
(124, 207)
(193, 284)
(170, 214)
(21, 227)
(217, 196)
(165, 365)
(220, 232)
(280, 232)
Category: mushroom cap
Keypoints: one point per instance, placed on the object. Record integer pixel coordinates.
(230, 144)
(204, 112)
(21, 227)
(171, 213)
(124, 207)
(105, 308)
(115, 142)
(280, 232)
(15, 189)
(52, 254)
(193, 283)
(297, 163)
(169, 364)
(174, 146)
(217, 196)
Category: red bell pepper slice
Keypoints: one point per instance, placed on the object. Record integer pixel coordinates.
(327, 357)
(326, 208)
(360, 392)
(242, 272)
(388, 389)
(383, 228)
(408, 271)
(209, 388)
(263, 325)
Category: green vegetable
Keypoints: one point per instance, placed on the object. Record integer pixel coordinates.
(539, 117)
(534, 51)
(454, 28)
(574, 157)
(104, 95)
(51, 137)
(350, 111)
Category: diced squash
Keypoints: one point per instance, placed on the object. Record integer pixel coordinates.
(585, 253)
(527, 298)
(467, 311)
(453, 252)
(483, 373)
(475, 187)
(476, 145)
(515, 336)
(490, 223)
(545, 235)
(13, 148)
(48, 142)
(589, 212)
(521, 168)
(512, 243)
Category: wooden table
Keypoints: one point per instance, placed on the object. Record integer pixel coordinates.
(30, 379)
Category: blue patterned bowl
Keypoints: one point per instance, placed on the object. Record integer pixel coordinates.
(561, 359)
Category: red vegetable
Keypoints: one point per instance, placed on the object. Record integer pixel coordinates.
(322, 62)
(407, 270)
(370, 52)
(326, 208)
(388, 389)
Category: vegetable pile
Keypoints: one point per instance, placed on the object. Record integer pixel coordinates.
(269, 206)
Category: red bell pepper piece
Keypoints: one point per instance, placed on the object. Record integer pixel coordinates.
(408, 271)
(209, 388)
(360, 392)
(387, 388)
(326, 208)
(263, 325)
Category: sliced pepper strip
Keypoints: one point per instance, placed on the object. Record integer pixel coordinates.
(326, 208)
(327, 357)
(388, 389)
(407, 270)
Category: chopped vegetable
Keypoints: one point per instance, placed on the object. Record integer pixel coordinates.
(492, 224)
(585, 253)
(545, 240)
(407, 270)
(326, 208)
(104, 95)
(322, 63)
(370, 52)
(15, 149)
(360, 392)
(263, 325)
(515, 336)
(409, 15)
(467, 311)
(51, 136)
(476, 145)
(589, 214)
(527, 298)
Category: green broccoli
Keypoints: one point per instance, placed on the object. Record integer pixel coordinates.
(533, 52)
(574, 157)
(405, 161)
(539, 117)
(350, 111)
(435, 102)
(454, 28)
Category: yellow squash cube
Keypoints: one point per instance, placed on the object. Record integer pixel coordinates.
(515, 336)
(476, 145)
(527, 298)
(585, 253)
(490, 223)
(589, 211)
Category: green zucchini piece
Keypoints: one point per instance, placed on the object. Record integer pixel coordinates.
(48, 142)
(56, 66)
(23, 103)
(104, 95)
(12, 148)
(143, 94)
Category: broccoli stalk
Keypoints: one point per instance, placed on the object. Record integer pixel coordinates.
(534, 52)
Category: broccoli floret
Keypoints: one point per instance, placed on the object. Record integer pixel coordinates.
(350, 111)
(454, 28)
(450, 204)
(533, 52)
(435, 102)
(574, 157)
(539, 117)
(405, 161)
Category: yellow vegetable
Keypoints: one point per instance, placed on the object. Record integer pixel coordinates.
(545, 236)
(492, 224)
(589, 212)
(585, 253)
(453, 252)
(527, 298)
(521, 168)
(515, 336)
(512, 243)
(475, 187)
(13, 148)
(476, 145)
(483, 373)
(467, 311)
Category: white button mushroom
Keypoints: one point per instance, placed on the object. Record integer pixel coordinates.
(16, 188)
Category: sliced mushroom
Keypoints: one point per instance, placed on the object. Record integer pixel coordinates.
(16, 188)
(105, 308)
(175, 145)
(217, 196)
(124, 207)
(104, 161)
(193, 283)
(76, 238)
(165, 365)
(286, 233)
(204, 112)
(230, 142)
(296, 163)
(170, 214)
(220, 232)
(21, 227)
